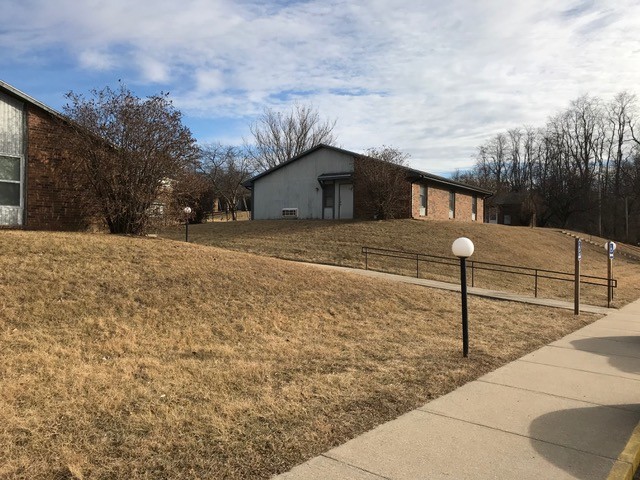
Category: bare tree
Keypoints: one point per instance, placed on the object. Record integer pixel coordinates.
(126, 150)
(580, 170)
(226, 168)
(279, 136)
(380, 182)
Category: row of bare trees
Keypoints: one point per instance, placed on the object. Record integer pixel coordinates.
(581, 170)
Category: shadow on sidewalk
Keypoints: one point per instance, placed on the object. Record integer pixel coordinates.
(602, 431)
(625, 348)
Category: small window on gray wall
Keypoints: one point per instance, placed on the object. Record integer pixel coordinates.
(328, 195)
(9, 169)
(10, 181)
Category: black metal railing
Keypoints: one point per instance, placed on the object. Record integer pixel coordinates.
(473, 265)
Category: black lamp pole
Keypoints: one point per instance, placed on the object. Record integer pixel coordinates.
(463, 248)
(187, 211)
(465, 322)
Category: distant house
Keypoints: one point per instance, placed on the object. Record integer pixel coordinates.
(324, 182)
(510, 208)
(31, 145)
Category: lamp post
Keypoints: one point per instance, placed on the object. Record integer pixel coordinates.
(463, 248)
(610, 247)
(187, 211)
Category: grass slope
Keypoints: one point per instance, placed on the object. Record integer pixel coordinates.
(138, 358)
(340, 243)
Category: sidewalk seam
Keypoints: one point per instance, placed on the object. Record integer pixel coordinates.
(557, 396)
(591, 351)
(353, 466)
(581, 370)
(611, 339)
(584, 371)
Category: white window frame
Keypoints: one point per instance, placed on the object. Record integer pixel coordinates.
(452, 204)
(20, 181)
(424, 201)
(474, 208)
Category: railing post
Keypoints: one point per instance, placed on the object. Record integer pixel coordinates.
(473, 273)
(366, 258)
(576, 291)
(535, 292)
(417, 266)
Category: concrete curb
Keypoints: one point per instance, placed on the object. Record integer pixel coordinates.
(628, 461)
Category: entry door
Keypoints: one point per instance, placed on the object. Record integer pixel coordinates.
(345, 201)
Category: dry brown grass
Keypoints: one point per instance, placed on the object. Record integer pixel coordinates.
(340, 243)
(140, 358)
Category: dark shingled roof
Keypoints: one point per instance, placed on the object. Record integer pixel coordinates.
(411, 172)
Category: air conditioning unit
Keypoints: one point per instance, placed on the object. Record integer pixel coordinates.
(289, 213)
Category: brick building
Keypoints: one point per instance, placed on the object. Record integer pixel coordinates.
(34, 194)
(323, 183)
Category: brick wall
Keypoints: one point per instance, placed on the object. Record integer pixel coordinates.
(438, 204)
(51, 203)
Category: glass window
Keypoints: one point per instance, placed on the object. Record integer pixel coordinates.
(10, 194)
(10, 168)
(423, 200)
(474, 208)
(9, 181)
(328, 195)
(452, 205)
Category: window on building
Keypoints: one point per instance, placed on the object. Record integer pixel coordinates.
(423, 200)
(10, 181)
(328, 195)
(452, 205)
(474, 208)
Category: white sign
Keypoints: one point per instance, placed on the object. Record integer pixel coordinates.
(579, 250)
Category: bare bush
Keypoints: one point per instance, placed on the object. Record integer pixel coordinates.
(381, 182)
(124, 152)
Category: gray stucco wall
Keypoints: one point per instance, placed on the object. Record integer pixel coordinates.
(12, 146)
(296, 185)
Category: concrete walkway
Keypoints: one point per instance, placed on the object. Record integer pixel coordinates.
(480, 292)
(568, 410)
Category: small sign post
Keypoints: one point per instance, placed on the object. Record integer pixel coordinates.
(610, 247)
(576, 292)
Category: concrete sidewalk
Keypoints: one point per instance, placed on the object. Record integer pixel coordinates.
(567, 410)
(479, 292)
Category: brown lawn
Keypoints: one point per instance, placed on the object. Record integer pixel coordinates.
(139, 358)
(340, 243)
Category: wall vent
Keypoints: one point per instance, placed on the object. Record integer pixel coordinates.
(289, 213)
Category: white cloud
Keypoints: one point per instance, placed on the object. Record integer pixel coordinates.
(430, 77)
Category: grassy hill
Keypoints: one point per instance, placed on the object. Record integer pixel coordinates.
(340, 243)
(140, 358)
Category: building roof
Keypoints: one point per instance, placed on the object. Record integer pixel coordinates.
(509, 198)
(14, 92)
(412, 173)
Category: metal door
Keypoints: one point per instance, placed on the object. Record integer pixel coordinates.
(345, 201)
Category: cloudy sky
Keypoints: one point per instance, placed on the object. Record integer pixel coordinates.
(433, 78)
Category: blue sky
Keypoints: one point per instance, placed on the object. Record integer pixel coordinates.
(432, 78)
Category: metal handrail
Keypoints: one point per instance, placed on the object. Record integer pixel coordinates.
(537, 273)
